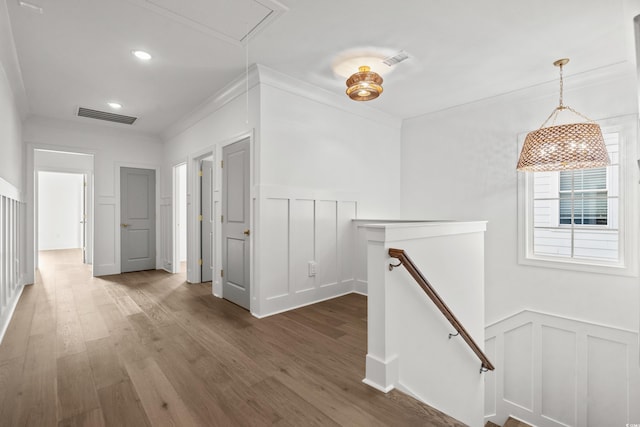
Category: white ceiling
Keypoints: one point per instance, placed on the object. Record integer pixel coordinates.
(77, 53)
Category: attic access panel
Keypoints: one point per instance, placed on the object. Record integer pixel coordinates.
(230, 20)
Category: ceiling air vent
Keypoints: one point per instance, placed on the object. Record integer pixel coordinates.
(395, 59)
(103, 115)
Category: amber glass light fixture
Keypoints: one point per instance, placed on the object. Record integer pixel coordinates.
(364, 85)
(564, 147)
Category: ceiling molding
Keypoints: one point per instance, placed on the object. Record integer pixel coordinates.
(599, 76)
(236, 88)
(342, 102)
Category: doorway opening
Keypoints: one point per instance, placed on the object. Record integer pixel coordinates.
(63, 212)
(180, 218)
(63, 204)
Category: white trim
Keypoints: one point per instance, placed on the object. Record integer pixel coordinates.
(9, 190)
(7, 313)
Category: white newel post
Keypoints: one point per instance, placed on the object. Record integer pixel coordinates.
(408, 344)
(381, 364)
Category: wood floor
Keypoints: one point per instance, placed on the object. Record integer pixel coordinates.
(146, 348)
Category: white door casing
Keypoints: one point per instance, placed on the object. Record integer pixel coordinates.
(235, 223)
(206, 220)
(137, 219)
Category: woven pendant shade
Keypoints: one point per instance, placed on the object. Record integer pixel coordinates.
(564, 147)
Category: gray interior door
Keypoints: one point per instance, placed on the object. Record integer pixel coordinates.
(206, 220)
(137, 219)
(235, 225)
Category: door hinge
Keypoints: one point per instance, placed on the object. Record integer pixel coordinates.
(221, 273)
(200, 261)
(222, 163)
(199, 217)
(199, 173)
(222, 218)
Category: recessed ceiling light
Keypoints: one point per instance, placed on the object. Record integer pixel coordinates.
(114, 105)
(31, 6)
(141, 54)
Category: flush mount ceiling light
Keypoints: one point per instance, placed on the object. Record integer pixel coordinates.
(141, 54)
(564, 147)
(364, 85)
(114, 105)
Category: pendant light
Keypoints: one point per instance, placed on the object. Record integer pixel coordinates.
(564, 147)
(364, 85)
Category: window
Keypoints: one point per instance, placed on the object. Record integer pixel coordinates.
(583, 197)
(573, 219)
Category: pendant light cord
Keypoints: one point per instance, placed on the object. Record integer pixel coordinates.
(561, 106)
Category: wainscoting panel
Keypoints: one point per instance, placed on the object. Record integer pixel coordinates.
(552, 371)
(347, 211)
(559, 374)
(299, 231)
(327, 242)
(518, 366)
(275, 279)
(11, 243)
(607, 373)
(302, 244)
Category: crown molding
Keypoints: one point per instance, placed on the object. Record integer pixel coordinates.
(294, 86)
(237, 87)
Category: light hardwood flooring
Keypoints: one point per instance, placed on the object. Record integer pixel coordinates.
(146, 348)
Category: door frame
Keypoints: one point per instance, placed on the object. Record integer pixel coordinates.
(30, 230)
(118, 205)
(193, 209)
(194, 244)
(175, 260)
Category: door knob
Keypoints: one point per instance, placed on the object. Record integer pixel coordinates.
(246, 232)
(125, 225)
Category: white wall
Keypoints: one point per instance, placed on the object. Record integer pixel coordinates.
(325, 160)
(11, 98)
(12, 209)
(60, 210)
(318, 161)
(408, 343)
(112, 148)
(460, 164)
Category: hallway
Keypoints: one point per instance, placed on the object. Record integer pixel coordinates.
(146, 348)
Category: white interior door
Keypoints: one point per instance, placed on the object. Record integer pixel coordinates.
(235, 224)
(206, 220)
(137, 219)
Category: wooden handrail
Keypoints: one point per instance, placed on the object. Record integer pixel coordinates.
(404, 259)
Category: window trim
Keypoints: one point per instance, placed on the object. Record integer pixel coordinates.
(627, 265)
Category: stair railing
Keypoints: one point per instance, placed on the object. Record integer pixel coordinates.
(404, 259)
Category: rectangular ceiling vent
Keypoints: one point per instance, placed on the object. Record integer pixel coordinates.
(103, 115)
(396, 59)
